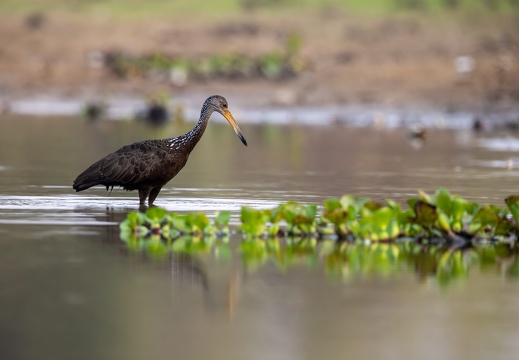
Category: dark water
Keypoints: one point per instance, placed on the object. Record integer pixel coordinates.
(69, 288)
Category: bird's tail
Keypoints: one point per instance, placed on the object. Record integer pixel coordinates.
(80, 186)
(87, 179)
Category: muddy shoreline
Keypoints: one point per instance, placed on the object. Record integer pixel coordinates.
(397, 64)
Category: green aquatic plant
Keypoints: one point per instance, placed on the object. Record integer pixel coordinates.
(300, 218)
(429, 218)
(451, 217)
(440, 238)
(171, 225)
(254, 221)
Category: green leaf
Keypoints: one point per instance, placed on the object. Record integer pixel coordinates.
(443, 201)
(382, 217)
(132, 221)
(222, 218)
(444, 222)
(512, 202)
(332, 204)
(179, 222)
(425, 213)
(460, 207)
(156, 214)
(425, 197)
(253, 221)
(198, 221)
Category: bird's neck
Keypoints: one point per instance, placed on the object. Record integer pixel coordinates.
(192, 137)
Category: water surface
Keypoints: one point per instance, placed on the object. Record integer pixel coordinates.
(69, 288)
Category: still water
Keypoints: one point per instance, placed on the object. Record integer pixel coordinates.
(70, 289)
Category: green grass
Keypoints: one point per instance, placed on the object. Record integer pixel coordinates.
(170, 8)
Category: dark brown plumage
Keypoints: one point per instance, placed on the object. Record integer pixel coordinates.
(148, 165)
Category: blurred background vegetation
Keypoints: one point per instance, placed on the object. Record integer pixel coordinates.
(450, 54)
(161, 8)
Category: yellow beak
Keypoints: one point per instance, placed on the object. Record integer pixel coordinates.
(227, 115)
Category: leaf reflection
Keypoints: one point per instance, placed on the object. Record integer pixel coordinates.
(442, 263)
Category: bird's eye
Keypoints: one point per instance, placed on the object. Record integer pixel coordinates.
(225, 106)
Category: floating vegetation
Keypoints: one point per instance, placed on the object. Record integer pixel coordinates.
(436, 218)
(158, 221)
(178, 69)
(159, 232)
(439, 235)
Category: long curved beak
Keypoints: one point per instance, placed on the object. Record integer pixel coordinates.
(227, 115)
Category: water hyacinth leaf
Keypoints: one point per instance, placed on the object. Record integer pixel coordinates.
(273, 229)
(348, 200)
(512, 202)
(372, 206)
(370, 229)
(156, 214)
(486, 216)
(331, 204)
(179, 222)
(443, 201)
(275, 215)
(301, 218)
(289, 211)
(327, 229)
(425, 213)
(197, 221)
(133, 221)
(444, 222)
(253, 221)
(411, 202)
(209, 230)
(382, 217)
(503, 227)
(393, 230)
(222, 218)
(393, 206)
(484, 221)
(311, 212)
(460, 207)
(426, 197)
(353, 204)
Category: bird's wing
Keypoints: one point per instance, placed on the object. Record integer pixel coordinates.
(131, 164)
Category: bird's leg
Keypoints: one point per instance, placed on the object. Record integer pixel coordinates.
(153, 195)
(143, 195)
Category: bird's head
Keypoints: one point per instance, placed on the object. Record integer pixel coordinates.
(219, 104)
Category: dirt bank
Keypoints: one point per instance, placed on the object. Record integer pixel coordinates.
(443, 63)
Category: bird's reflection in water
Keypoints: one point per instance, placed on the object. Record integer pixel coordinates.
(184, 270)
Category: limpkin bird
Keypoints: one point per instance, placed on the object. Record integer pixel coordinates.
(148, 165)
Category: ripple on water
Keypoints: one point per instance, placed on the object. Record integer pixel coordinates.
(92, 210)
